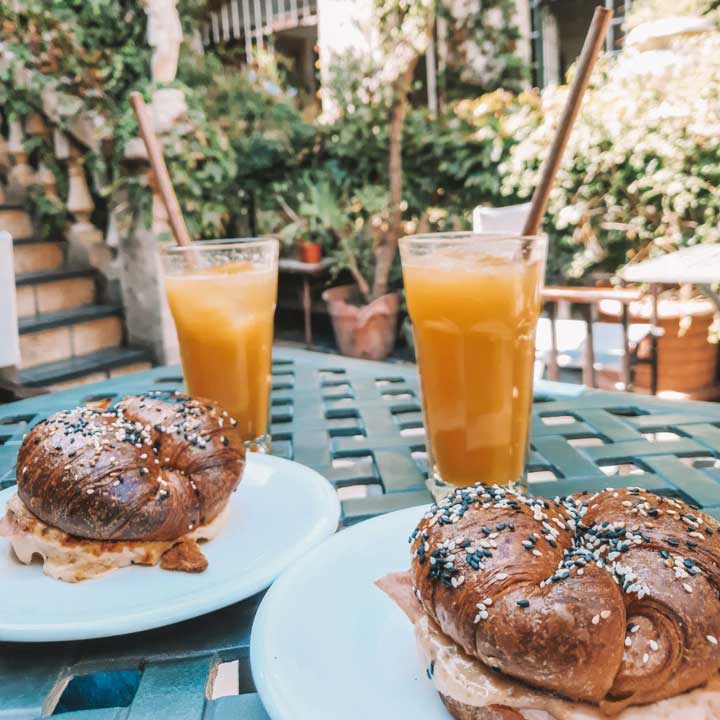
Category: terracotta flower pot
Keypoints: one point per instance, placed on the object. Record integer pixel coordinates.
(310, 252)
(363, 331)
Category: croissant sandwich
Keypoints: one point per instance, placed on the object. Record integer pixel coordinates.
(141, 482)
(584, 607)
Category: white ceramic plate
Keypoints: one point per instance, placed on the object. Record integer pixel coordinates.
(327, 644)
(280, 511)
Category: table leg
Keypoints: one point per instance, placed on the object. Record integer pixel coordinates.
(553, 370)
(307, 311)
(589, 360)
(654, 329)
(626, 376)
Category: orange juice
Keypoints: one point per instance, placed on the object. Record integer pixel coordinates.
(224, 320)
(474, 319)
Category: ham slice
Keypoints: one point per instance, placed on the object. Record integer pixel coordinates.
(467, 681)
(398, 587)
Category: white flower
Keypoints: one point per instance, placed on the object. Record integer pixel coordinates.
(568, 216)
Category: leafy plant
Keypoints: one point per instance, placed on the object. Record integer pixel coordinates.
(321, 215)
(50, 217)
(245, 148)
(93, 53)
(642, 176)
(481, 48)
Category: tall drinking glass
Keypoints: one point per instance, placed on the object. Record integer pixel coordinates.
(474, 301)
(222, 296)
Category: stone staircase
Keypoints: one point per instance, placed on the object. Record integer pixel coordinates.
(67, 337)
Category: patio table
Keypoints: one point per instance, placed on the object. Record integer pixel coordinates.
(697, 265)
(309, 273)
(358, 423)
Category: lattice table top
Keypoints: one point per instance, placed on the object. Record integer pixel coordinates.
(358, 423)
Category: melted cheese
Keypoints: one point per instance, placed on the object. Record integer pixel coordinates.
(73, 559)
(468, 681)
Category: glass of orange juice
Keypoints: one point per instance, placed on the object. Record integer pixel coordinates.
(474, 301)
(222, 296)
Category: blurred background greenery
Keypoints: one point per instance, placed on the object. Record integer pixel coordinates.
(256, 155)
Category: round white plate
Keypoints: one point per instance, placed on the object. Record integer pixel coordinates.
(328, 644)
(279, 511)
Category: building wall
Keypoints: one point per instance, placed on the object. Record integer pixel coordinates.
(522, 18)
(572, 18)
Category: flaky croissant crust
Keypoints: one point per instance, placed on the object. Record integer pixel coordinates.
(152, 467)
(610, 598)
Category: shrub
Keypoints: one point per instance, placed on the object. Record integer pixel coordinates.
(642, 169)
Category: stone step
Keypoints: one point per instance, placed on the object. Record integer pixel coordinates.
(85, 313)
(31, 255)
(50, 291)
(54, 337)
(15, 220)
(94, 367)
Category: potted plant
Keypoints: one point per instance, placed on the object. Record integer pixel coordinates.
(350, 230)
(365, 323)
(311, 226)
(310, 251)
(364, 314)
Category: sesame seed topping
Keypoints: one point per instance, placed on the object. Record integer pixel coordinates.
(562, 523)
(712, 639)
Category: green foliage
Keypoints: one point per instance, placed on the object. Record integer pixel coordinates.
(482, 48)
(244, 140)
(642, 176)
(267, 134)
(50, 216)
(450, 167)
(92, 51)
(321, 215)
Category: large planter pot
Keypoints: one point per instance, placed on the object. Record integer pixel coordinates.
(363, 331)
(687, 364)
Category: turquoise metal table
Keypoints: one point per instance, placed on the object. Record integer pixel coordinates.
(359, 423)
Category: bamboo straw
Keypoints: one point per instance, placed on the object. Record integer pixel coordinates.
(588, 56)
(157, 162)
